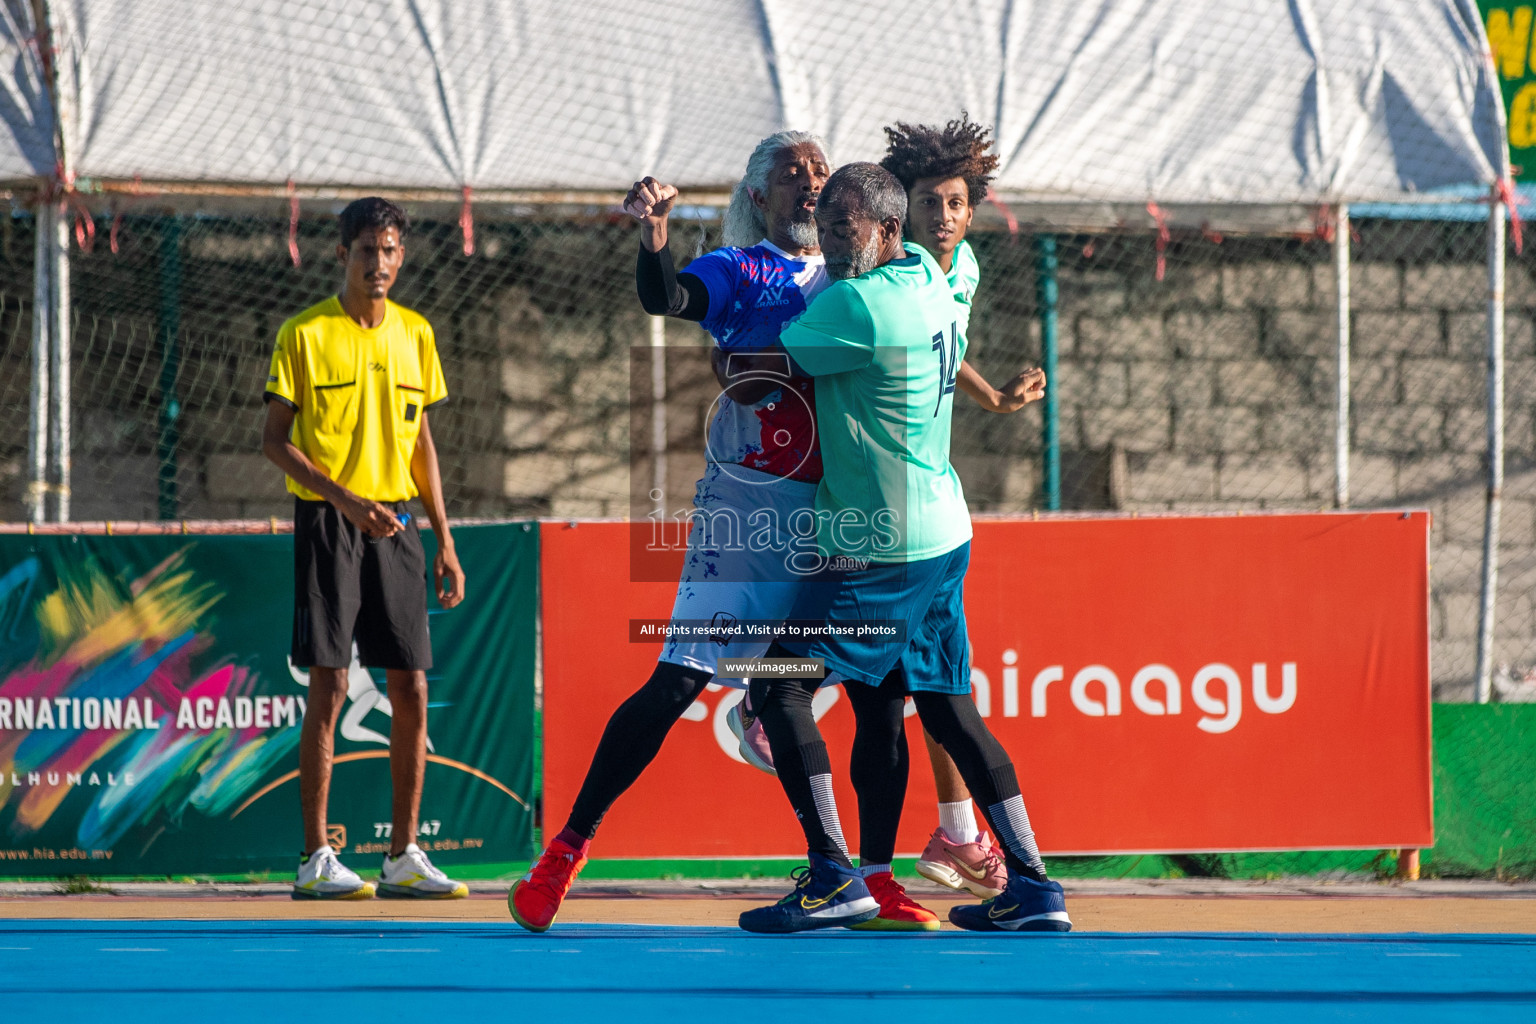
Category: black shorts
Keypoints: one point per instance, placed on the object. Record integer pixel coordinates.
(347, 585)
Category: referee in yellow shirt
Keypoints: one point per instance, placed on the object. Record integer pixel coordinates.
(351, 384)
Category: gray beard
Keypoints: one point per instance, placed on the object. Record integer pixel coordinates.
(802, 235)
(855, 264)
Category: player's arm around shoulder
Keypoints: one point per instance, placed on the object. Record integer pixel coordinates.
(749, 377)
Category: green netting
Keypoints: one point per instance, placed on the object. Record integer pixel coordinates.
(1485, 791)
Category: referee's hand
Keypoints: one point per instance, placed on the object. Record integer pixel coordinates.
(374, 519)
(449, 577)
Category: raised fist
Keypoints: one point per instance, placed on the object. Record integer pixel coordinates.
(649, 199)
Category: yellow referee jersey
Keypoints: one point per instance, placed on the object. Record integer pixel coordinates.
(358, 395)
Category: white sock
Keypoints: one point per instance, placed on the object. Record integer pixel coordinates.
(874, 869)
(959, 820)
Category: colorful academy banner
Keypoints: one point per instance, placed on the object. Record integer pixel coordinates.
(149, 716)
(1178, 684)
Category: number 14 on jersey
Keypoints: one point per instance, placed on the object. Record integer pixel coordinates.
(949, 362)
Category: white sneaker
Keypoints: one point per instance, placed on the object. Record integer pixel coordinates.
(323, 877)
(412, 875)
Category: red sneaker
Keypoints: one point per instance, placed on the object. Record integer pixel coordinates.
(535, 898)
(898, 911)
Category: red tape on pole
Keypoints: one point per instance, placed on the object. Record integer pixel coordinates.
(1511, 200)
(1161, 242)
(293, 222)
(467, 224)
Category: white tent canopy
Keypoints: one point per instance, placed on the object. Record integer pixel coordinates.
(1195, 101)
(1265, 107)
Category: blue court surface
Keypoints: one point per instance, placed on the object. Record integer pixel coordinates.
(117, 972)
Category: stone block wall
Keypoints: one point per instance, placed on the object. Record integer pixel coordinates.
(1210, 390)
(1213, 391)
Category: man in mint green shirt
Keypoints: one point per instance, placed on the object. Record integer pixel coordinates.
(884, 345)
(885, 348)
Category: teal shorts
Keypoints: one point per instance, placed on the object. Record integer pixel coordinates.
(921, 602)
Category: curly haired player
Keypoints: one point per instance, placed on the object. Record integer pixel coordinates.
(946, 172)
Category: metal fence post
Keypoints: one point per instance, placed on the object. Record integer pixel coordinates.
(59, 313)
(1046, 295)
(37, 422)
(1484, 682)
(1341, 403)
(170, 368)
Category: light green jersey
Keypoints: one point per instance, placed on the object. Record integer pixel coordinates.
(964, 278)
(884, 349)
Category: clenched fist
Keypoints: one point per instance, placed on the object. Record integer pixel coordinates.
(649, 199)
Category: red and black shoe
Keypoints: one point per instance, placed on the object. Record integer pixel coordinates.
(536, 897)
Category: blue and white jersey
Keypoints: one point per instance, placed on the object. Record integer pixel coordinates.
(753, 293)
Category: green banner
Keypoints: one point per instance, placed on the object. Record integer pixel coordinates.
(149, 717)
(1510, 37)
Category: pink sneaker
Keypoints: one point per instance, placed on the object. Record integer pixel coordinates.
(749, 737)
(977, 867)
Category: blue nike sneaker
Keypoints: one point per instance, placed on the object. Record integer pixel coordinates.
(827, 895)
(1024, 906)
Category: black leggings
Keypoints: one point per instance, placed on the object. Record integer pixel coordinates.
(633, 736)
(800, 758)
(880, 760)
(879, 764)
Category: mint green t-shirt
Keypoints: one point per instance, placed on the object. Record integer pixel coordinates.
(964, 278)
(885, 348)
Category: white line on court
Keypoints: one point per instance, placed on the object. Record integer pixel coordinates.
(1423, 954)
(1132, 952)
(264, 950)
(685, 951)
(402, 950)
(973, 952)
(130, 949)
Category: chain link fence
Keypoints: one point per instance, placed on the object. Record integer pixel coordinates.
(1195, 374)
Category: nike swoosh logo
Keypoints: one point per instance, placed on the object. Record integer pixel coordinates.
(813, 904)
(978, 875)
(994, 914)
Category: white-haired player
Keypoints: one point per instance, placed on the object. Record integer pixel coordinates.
(761, 457)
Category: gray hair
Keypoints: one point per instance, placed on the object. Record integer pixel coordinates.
(873, 189)
(743, 223)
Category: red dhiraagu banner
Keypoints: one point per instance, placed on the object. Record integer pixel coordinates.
(1163, 684)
